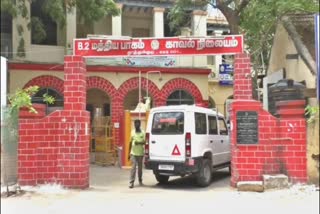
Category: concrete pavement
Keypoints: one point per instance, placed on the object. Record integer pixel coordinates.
(109, 193)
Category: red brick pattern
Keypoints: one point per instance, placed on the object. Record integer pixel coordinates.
(242, 85)
(46, 81)
(74, 83)
(56, 148)
(282, 141)
(182, 84)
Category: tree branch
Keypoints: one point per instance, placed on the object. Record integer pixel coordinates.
(231, 16)
(227, 2)
(242, 5)
(301, 48)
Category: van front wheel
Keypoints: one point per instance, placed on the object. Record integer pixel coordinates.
(205, 173)
(162, 179)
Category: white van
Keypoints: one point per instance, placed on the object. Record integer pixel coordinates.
(186, 139)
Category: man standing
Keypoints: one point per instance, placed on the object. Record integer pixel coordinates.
(136, 152)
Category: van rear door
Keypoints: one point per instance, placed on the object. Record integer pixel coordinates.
(167, 138)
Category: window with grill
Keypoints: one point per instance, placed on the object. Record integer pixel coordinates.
(49, 25)
(38, 97)
(180, 97)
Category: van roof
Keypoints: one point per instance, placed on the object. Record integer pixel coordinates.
(185, 108)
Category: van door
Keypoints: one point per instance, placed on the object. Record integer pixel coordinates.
(215, 140)
(225, 140)
(167, 138)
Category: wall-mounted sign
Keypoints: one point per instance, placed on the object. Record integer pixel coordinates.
(156, 61)
(167, 46)
(226, 74)
(247, 127)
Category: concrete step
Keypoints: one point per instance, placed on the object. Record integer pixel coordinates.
(250, 186)
(278, 181)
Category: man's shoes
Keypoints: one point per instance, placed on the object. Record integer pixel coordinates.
(140, 183)
(131, 185)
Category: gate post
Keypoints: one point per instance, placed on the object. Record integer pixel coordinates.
(73, 156)
(242, 92)
(262, 144)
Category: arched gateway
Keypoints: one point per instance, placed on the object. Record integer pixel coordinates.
(58, 144)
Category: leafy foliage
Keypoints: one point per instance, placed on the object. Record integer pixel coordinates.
(88, 10)
(38, 29)
(56, 10)
(256, 19)
(179, 15)
(22, 98)
(93, 10)
(14, 8)
(312, 112)
(259, 19)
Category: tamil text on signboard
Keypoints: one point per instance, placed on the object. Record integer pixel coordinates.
(168, 46)
(247, 127)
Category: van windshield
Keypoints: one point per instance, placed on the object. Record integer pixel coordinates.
(165, 123)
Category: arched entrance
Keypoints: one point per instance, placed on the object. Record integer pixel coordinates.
(129, 93)
(47, 81)
(182, 91)
(102, 104)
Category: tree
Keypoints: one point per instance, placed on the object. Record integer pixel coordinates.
(259, 19)
(89, 11)
(256, 19)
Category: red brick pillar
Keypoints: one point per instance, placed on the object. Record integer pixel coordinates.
(293, 132)
(74, 83)
(242, 92)
(242, 84)
(73, 155)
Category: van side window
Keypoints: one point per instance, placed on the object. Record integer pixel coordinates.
(200, 123)
(213, 128)
(222, 127)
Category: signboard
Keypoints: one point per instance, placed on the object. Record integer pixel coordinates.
(156, 61)
(247, 127)
(317, 37)
(225, 74)
(167, 46)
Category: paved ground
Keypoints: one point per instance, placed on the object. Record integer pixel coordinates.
(109, 193)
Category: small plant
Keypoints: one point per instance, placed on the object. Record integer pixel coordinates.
(312, 112)
(22, 98)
